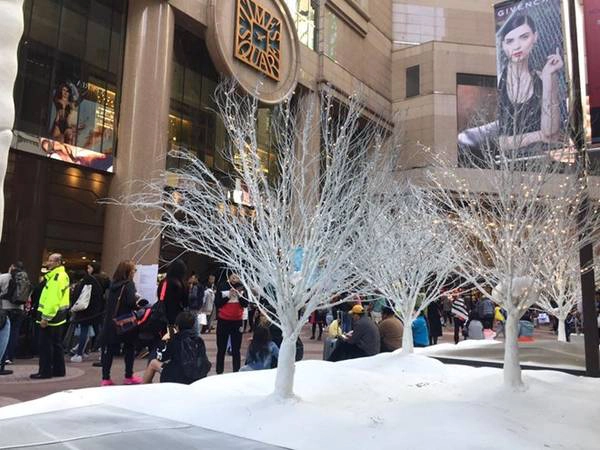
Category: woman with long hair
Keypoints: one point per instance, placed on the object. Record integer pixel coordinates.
(173, 290)
(529, 108)
(122, 299)
(262, 351)
(64, 125)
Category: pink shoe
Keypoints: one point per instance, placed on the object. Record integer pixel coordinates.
(107, 383)
(133, 380)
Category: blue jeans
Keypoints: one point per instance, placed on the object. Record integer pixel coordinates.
(16, 320)
(4, 337)
(83, 334)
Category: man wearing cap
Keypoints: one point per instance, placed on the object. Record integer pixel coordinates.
(52, 316)
(362, 341)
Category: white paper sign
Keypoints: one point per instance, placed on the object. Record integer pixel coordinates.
(146, 281)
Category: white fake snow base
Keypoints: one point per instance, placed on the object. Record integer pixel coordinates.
(389, 401)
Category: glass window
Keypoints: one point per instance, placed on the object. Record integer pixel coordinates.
(44, 21)
(413, 80)
(66, 92)
(98, 35)
(194, 124)
(305, 15)
(72, 32)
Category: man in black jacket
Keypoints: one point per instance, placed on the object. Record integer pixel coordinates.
(363, 340)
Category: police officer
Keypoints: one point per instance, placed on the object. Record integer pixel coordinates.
(52, 316)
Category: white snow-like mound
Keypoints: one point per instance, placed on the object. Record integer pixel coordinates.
(462, 345)
(390, 401)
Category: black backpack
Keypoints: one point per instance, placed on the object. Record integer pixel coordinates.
(194, 362)
(22, 288)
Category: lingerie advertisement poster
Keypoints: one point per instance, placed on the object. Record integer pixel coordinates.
(532, 92)
(80, 129)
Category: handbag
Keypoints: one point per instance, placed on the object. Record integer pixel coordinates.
(83, 301)
(125, 322)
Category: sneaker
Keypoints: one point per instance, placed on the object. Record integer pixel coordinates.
(107, 383)
(8, 362)
(133, 380)
(76, 358)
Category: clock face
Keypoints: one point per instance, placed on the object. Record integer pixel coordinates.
(258, 38)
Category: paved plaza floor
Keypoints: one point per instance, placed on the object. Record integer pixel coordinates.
(18, 387)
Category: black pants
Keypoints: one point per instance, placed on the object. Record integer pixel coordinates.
(229, 329)
(314, 329)
(433, 340)
(488, 323)
(458, 325)
(52, 358)
(108, 353)
(345, 350)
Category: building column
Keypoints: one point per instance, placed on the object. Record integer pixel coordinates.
(143, 125)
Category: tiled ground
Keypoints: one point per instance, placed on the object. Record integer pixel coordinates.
(19, 387)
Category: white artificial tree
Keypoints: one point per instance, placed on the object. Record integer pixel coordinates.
(296, 250)
(505, 207)
(576, 222)
(412, 256)
(560, 279)
(11, 29)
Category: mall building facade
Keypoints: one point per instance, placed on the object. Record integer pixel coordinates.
(106, 87)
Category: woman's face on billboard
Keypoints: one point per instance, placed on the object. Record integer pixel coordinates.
(518, 43)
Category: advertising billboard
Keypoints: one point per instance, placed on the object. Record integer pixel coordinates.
(80, 127)
(532, 92)
(591, 14)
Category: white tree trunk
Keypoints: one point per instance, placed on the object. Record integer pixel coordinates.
(286, 366)
(562, 331)
(407, 340)
(512, 368)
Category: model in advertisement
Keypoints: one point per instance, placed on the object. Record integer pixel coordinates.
(66, 101)
(529, 108)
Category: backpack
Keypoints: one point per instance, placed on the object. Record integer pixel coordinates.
(194, 362)
(22, 288)
(155, 322)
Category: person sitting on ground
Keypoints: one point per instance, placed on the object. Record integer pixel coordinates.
(390, 330)
(420, 331)
(362, 341)
(262, 351)
(474, 327)
(184, 359)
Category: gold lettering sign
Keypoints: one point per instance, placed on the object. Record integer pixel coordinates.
(258, 38)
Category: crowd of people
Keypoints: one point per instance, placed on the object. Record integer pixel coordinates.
(98, 313)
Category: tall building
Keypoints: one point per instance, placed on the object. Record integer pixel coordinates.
(106, 87)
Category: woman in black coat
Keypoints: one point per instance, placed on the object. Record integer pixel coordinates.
(434, 317)
(93, 315)
(175, 294)
(122, 299)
